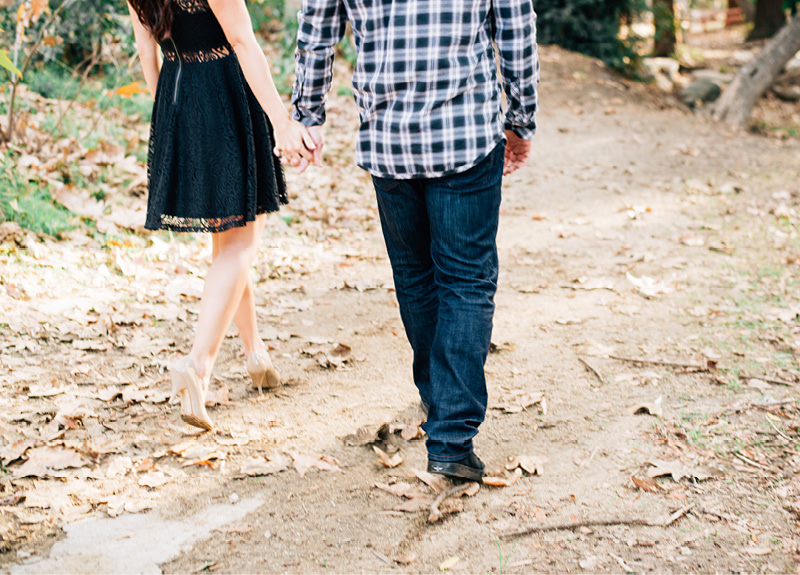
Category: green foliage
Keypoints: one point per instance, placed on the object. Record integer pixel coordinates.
(277, 20)
(7, 64)
(79, 28)
(591, 27)
(266, 14)
(29, 203)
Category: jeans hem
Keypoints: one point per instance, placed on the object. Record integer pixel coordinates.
(447, 458)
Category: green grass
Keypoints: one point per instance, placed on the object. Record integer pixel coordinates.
(29, 203)
(54, 80)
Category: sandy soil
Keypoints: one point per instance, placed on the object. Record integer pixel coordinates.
(639, 231)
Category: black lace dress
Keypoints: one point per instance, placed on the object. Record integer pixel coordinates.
(210, 165)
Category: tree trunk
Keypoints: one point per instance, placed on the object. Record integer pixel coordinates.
(737, 102)
(769, 18)
(748, 9)
(666, 28)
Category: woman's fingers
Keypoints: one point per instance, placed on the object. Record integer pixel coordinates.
(305, 153)
(308, 141)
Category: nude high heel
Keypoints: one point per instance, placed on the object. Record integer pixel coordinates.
(186, 387)
(260, 368)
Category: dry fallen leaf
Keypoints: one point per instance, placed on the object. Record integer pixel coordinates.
(692, 241)
(507, 481)
(154, 480)
(255, 466)
(219, 395)
(42, 461)
(678, 471)
(400, 489)
(448, 563)
(646, 484)
(404, 558)
(302, 463)
(119, 465)
(435, 482)
(11, 452)
(408, 431)
(520, 404)
(649, 287)
(531, 464)
(387, 460)
(594, 348)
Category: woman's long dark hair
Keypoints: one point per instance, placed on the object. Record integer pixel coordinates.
(156, 15)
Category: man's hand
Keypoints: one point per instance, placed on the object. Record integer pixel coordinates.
(318, 137)
(517, 152)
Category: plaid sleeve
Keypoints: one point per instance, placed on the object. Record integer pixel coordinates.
(321, 27)
(515, 35)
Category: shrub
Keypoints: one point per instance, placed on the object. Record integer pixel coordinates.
(591, 27)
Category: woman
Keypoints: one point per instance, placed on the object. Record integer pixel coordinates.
(212, 165)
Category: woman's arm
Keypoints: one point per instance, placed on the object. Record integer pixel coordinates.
(291, 137)
(148, 52)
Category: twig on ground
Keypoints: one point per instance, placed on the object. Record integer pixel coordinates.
(767, 380)
(627, 568)
(588, 461)
(454, 491)
(751, 462)
(678, 514)
(775, 427)
(662, 363)
(591, 368)
(601, 523)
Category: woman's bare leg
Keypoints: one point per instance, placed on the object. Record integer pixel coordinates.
(245, 316)
(225, 285)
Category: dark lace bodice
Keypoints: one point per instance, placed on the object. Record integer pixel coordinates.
(196, 35)
(210, 164)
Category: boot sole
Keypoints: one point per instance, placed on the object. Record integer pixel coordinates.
(455, 470)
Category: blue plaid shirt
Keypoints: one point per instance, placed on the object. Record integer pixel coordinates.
(425, 80)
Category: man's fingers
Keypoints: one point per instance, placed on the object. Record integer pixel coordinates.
(308, 141)
(318, 155)
(305, 153)
(302, 166)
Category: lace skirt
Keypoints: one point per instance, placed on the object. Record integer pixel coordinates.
(210, 164)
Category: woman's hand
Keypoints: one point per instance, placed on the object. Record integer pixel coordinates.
(293, 143)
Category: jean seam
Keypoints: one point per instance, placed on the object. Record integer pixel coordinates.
(447, 458)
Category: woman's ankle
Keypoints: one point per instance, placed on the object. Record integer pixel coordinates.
(255, 346)
(202, 365)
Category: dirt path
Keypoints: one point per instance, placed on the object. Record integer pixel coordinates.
(621, 192)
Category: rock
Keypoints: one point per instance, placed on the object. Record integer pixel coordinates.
(787, 93)
(713, 76)
(700, 91)
(793, 66)
(665, 71)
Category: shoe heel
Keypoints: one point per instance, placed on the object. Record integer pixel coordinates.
(186, 386)
(262, 372)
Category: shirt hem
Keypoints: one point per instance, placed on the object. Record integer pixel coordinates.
(430, 175)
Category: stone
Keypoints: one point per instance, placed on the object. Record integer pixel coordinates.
(700, 91)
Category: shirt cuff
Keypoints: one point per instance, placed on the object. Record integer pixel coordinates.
(308, 117)
(524, 131)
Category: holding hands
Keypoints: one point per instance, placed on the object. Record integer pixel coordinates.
(294, 144)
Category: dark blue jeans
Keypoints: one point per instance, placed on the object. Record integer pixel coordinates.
(441, 237)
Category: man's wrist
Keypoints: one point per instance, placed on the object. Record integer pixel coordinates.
(309, 119)
(522, 132)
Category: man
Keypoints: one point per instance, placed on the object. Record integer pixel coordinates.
(436, 141)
